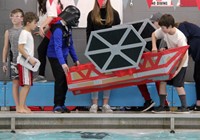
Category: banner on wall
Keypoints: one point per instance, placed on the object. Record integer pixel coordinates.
(174, 3)
(165, 3)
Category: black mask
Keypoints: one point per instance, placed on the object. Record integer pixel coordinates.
(70, 15)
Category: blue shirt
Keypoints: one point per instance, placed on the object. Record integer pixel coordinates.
(58, 46)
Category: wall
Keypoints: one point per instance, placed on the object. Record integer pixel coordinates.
(131, 96)
(138, 11)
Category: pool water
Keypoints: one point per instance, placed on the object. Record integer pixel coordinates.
(79, 135)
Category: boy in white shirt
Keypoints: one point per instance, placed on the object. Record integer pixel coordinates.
(174, 38)
(26, 50)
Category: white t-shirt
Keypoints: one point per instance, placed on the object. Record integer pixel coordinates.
(51, 11)
(178, 39)
(26, 38)
(52, 8)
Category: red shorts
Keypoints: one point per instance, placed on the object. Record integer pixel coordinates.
(25, 76)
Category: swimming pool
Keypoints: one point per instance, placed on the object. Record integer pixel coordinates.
(102, 135)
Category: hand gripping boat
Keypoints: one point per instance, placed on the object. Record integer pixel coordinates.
(152, 67)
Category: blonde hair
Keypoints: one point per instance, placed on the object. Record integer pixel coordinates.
(96, 17)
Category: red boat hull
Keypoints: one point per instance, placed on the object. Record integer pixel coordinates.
(153, 67)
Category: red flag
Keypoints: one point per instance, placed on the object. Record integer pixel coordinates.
(100, 3)
(50, 1)
(149, 2)
(198, 4)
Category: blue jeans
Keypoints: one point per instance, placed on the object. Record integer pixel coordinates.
(106, 94)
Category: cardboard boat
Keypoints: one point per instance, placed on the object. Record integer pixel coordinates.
(152, 67)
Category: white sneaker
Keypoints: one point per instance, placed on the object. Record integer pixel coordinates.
(93, 108)
(106, 109)
(40, 78)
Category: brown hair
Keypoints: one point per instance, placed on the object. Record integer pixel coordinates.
(167, 20)
(42, 6)
(18, 10)
(29, 17)
(96, 17)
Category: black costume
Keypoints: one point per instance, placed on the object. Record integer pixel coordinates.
(192, 32)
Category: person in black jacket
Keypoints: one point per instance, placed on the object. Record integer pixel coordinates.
(100, 18)
(192, 33)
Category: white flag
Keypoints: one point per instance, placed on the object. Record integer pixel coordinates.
(175, 2)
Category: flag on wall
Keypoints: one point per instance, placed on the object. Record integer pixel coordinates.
(100, 2)
(50, 1)
(149, 2)
(198, 4)
(76, 2)
(175, 2)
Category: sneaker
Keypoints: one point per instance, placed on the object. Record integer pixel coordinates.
(167, 108)
(160, 109)
(196, 108)
(182, 110)
(106, 109)
(65, 110)
(148, 105)
(40, 78)
(93, 108)
(58, 109)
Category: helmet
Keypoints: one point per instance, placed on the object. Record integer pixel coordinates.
(70, 15)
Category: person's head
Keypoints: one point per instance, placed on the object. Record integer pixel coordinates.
(70, 15)
(42, 6)
(155, 18)
(30, 20)
(96, 17)
(16, 16)
(167, 22)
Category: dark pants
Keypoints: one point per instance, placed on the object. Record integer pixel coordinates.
(197, 78)
(42, 52)
(145, 93)
(60, 84)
